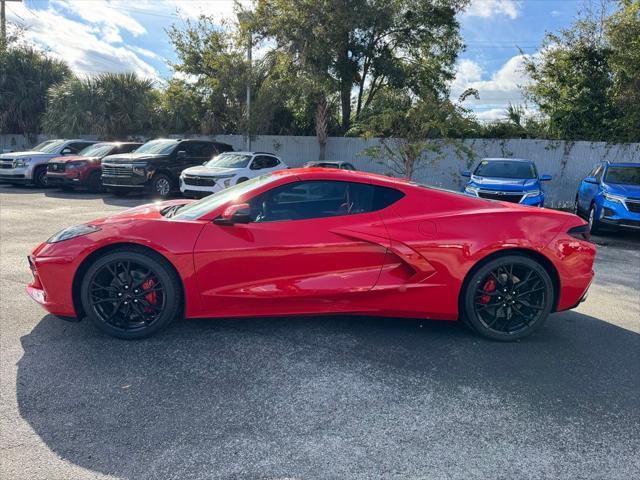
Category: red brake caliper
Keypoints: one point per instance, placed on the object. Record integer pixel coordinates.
(489, 286)
(150, 297)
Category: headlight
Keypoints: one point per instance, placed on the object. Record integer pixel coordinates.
(21, 162)
(614, 198)
(80, 164)
(73, 232)
(139, 168)
(471, 190)
(532, 193)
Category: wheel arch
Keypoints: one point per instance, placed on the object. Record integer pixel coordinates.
(534, 255)
(96, 254)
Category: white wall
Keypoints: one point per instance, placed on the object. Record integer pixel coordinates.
(567, 162)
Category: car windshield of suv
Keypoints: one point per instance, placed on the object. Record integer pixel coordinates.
(196, 209)
(50, 147)
(505, 169)
(40, 146)
(97, 150)
(229, 160)
(158, 147)
(624, 175)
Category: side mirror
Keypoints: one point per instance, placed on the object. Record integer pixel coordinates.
(65, 151)
(239, 213)
(182, 154)
(545, 178)
(465, 173)
(593, 180)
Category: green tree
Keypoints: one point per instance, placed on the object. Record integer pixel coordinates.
(25, 76)
(111, 105)
(357, 48)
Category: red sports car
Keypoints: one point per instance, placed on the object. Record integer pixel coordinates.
(319, 241)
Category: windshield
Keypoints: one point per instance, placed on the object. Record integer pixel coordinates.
(50, 147)
(229, 160)
(97, 150)
(506, 169)
(158, 147)
(205, 205)
(40, 146)
(624, 175)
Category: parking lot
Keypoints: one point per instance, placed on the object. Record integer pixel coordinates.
(313, 397)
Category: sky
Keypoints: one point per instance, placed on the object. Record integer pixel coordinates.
(95, 36)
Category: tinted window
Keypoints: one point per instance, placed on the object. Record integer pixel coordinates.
(195, 149)
(158, 147)
(623, 175)
(264, 161)
(318, 199)
(127, 147)
(78, 146)
(222, 147)
(348, 166)
(505, 169)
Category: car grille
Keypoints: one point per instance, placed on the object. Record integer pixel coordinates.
(56, 167)
(633, 205)
(114, 170)
(6, 163)
(513, 197)
(199, 181)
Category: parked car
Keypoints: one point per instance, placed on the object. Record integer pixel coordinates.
(306, 241)
(156, 165)
(30, 167)
(84, 169)
(507, 179)
(323, 164)
(225, 170)
(610, 197)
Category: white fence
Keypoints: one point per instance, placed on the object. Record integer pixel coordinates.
(567, 162)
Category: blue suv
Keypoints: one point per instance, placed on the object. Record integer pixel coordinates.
(507, 179)
(610, 197)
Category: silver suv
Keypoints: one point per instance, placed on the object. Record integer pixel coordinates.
(30, 167)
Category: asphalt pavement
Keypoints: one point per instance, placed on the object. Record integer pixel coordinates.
(313, 397)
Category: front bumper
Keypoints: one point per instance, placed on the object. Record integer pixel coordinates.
(200, 190)
(64, 179)
(16, 175)
(125, 182)
(617, 216)
(51, 284)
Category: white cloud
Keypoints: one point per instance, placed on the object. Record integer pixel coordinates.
(497, 91)
(493, 8)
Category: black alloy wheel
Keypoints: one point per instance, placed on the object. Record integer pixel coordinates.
(508, 298)
(130, 294)
(40, 176)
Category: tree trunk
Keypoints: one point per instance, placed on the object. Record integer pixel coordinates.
(345, 99)
(321, 125)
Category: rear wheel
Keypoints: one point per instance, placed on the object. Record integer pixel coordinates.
(130, 294)
(94, 183)
(40, 176)
(508, 298)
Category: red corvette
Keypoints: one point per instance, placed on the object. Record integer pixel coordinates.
(319, 241)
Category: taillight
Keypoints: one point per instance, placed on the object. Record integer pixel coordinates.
(582, 232)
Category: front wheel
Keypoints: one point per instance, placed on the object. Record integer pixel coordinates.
(161, 185)
(94, 183)
(40, 177)
(130, 294)
(508, 298)
(594, 223)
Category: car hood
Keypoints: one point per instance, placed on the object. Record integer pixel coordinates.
(623, 189)
(147, 211)
(31, 153)
(506, 184)
(130, 157)
(210, 171)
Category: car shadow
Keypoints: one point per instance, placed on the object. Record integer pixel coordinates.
(330, 397)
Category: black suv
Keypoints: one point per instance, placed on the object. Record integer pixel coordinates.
(156, 165)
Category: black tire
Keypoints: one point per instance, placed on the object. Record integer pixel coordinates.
(507, 311)
(40, 177)
(119, 192)
(576, 207)
(161, 185)
(594, 224)
(94, 182)
(240, 180)
(123, 300)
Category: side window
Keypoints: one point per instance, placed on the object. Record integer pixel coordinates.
(347, 166)
(193, 149)
(126, 148)
(77, 146)
(320, 198)
(264, 161)
(209, 150)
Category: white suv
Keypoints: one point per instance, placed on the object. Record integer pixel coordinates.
(30, 167)
(225, 170)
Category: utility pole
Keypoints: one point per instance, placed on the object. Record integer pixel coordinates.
(3, 26)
